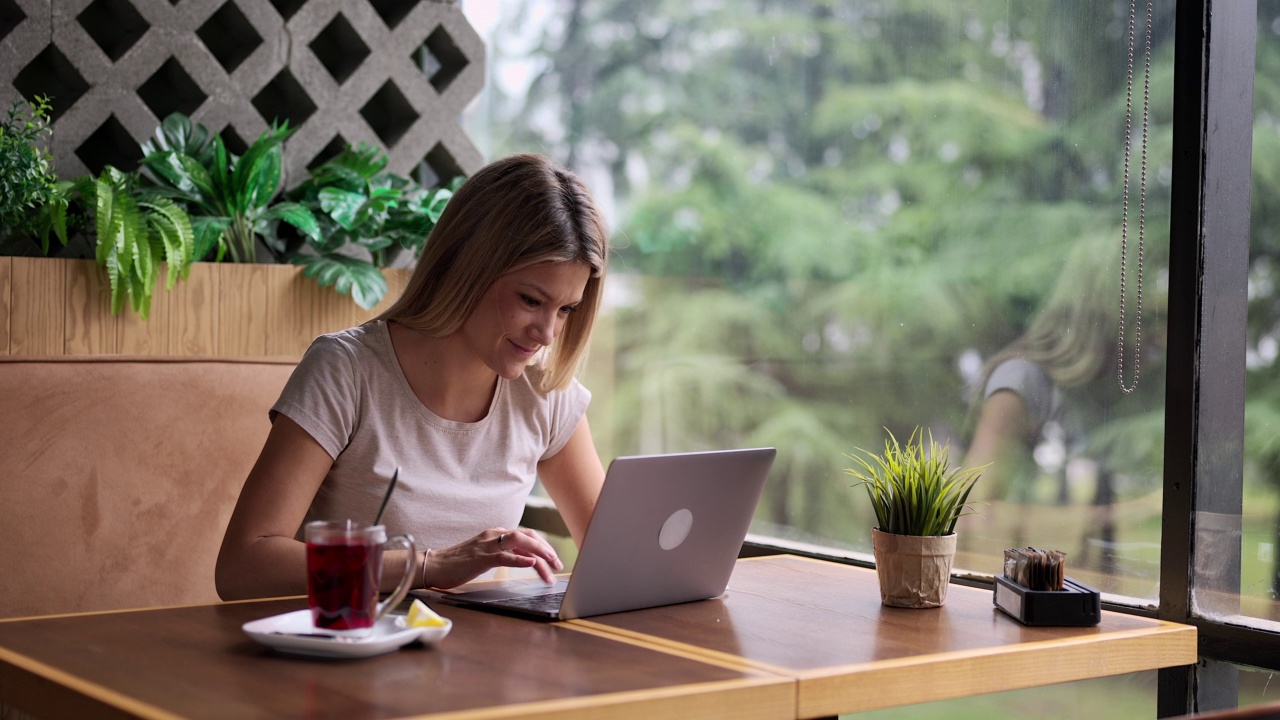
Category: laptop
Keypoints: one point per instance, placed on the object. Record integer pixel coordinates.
(666, 529)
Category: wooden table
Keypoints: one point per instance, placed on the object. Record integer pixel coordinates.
(823, 624)
(195, 662)
(791, 638)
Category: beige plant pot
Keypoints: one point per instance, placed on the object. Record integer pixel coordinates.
(914, 571)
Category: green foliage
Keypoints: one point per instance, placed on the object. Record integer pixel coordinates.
(230, 197)
(362, 212)
(28, 183)
(913, 488)
(195, 200)
(831, 214)
(136, 231)
(348, 276)
(178, 134)
(352, 216)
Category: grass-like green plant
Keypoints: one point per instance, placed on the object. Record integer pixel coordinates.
(913, 488)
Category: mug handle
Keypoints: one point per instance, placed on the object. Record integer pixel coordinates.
(405, 581)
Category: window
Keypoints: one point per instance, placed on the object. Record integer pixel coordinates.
(834, 218)
(1260, 526)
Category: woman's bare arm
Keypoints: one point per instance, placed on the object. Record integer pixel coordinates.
(573, 477)
(259, 555)
(1004, 433)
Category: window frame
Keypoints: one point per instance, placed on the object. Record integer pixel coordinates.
(1214, 69)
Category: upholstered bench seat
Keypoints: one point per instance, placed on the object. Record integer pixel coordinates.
(118, 476)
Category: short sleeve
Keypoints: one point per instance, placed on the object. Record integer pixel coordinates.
(1030, 382)
(322, 395)
(567, 407)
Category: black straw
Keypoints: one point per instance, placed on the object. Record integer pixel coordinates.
(387, 497)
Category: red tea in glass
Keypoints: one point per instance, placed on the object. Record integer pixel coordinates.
(344, 572)
(342, 584)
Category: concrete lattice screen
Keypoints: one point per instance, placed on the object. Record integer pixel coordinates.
(394, 74)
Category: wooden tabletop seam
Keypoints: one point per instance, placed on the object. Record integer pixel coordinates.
(675, 647)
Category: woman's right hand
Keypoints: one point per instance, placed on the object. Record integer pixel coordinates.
(495, 547)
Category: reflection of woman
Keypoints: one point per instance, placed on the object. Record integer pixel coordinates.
(1068, 345)
(448, 386)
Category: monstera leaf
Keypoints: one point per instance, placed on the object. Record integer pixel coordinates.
(349, 276)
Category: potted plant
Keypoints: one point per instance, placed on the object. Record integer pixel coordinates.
(29, 187)
(917, 497)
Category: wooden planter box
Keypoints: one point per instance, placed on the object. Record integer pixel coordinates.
(54, 306)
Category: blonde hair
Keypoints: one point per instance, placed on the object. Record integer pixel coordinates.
(516, 212)
(1073, 336)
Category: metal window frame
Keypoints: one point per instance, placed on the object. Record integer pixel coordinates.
(1214, 66)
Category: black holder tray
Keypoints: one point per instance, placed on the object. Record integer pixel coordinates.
(1074, 605)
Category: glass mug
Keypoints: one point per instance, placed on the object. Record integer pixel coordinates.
(344, 572)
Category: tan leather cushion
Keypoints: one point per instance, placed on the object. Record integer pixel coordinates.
(118, 476)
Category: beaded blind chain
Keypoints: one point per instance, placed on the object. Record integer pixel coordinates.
(1142, 200)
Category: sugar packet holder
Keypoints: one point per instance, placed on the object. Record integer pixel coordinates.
(1075, 605)
(1053, 599)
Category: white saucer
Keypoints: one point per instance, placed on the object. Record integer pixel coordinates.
(294, 632)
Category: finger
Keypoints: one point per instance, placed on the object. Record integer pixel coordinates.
(541, 548)
(544, 571)
(526, 542)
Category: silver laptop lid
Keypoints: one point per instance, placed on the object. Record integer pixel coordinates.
(666, 529)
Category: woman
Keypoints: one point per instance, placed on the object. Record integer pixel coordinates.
(1053, 373)
(1056, 382)
(466, 384)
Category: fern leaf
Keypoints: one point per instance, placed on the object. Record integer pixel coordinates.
(139, 296)
(176, 235)
(136, 242)
(103, 219)
(169, 246)
(155, 245)
(117, 281)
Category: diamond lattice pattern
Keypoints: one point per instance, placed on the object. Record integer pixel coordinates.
(392, 74)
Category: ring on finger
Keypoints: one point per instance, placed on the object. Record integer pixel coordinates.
(502, 537)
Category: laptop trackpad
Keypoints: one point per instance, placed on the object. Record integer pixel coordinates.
(523, 589)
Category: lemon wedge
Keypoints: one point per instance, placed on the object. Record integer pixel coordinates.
(422, 616)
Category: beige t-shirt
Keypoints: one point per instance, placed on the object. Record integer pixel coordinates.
(456, 478)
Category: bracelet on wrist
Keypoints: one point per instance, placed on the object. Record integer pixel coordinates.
(422, 574)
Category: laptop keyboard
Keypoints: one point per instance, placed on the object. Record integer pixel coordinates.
(550, 603)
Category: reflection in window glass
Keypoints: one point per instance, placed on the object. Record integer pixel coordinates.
(1260, 573)
(834, 218)
(1258, 687)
